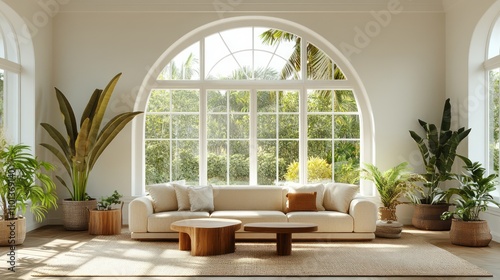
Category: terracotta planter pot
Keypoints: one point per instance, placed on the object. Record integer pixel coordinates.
(12, 232)
(470, 233)
(76, 213)
(428, 217)
(387, 214)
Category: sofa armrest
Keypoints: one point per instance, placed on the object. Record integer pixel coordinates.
(364, 213)
(139, 210)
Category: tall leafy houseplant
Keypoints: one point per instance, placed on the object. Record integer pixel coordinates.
(438, 150)
(392, 185)
(23, 183)
(79, 147)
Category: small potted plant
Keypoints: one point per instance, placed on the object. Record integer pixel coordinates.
(23, 184)
(471, 198)
(392, 185)
(106, 220)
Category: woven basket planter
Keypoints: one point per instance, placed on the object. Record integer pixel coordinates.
(428, 217)
(76, 213)
(12, 231)
(470, 233)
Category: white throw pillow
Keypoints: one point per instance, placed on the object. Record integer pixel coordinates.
(181, 192)
(318, 188)
(163, 196)
(338, 196)
(201, 198)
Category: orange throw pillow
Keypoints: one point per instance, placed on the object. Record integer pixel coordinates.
(301, 202)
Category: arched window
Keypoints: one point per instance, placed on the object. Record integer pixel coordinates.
(17, 69)
(239, 104)
(492, 67)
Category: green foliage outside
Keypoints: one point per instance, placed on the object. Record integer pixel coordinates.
(172, 127)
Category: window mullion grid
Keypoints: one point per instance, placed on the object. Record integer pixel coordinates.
(228, 137)
(277, 137)
(303, 136)
(171, 144)
(253, 138)
(333, 134)
(203, 154)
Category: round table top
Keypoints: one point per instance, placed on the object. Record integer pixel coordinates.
(205, 223)
(277, 227)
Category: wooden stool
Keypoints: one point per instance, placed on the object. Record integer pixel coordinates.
(388, 229)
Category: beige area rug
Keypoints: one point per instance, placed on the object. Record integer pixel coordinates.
(120, 256)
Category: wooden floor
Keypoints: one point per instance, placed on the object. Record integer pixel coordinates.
(33, 253)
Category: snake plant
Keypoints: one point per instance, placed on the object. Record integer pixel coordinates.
(82, 145)
(438, 151)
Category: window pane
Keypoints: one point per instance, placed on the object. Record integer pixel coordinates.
(217, 162)
(239, 126)
(346, 161)
(288, 126)
(185, 100)
(288, 101)
(346, 126)
(319, 126)
(266, 163)
(319, 168)
(239, 165)
(320, 66)
(185, 164)
(319, 100)
(266, 101)
(217, 101)
(157, 161)
(185, 66)
(494, 92)
(289, 152)
(185, 126)
(344, 101)
(217, 126)
(2, 116)
(159, 101)
(157, 126)
(266, 126)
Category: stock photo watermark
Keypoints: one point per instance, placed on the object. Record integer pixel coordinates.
(363, 36)
(11, 198)
(40, 19)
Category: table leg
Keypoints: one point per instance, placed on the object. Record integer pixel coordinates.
(284, 244)
(184, 241)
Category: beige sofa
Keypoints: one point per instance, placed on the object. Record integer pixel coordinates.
(342, 213)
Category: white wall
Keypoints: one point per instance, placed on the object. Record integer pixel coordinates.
(408, 64)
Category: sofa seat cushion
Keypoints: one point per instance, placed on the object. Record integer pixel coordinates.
(160, 222)
(327, 221)
(249, 216)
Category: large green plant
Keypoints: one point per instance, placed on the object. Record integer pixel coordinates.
(22, 180)
(438, 150)
(82, 145)
(394, 183)
(474, 194)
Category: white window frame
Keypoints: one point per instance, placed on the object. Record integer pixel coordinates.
(353, 83)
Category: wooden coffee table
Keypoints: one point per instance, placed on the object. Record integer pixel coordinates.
(207, 236)
(283, 233)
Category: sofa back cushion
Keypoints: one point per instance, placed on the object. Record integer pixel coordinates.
(247, 198)
(338, 196)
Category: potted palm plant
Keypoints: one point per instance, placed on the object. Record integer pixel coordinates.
(23, 184)
(472, 197)
(80, 146)
(392, 185)
(438, 151)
